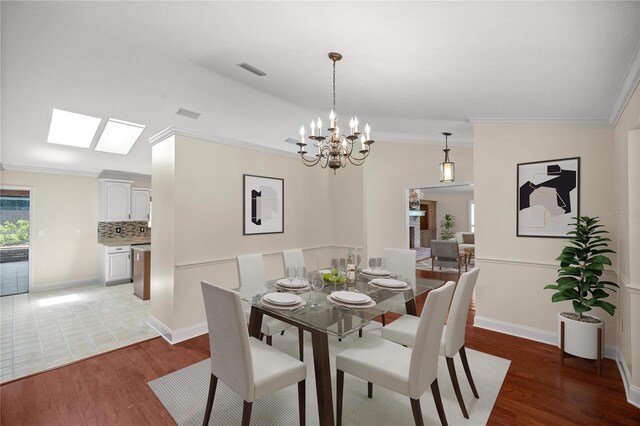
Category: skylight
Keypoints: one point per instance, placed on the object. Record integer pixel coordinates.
(119, 136)
(69, 128)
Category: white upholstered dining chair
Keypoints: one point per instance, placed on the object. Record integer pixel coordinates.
(404, 330)
(251, 274)
(408, 371)
(249, 367)
(292, 258)
(401, 262)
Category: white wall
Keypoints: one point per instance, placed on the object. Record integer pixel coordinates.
(64, 228)
(455, 203)
(390, 171)
(515, 269)
(626, 212)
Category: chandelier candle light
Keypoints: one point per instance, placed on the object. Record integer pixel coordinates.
(447, 168)
(334, 150)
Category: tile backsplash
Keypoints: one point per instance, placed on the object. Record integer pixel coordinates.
(107, 230)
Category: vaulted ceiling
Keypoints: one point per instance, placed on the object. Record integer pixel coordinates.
(411, 69)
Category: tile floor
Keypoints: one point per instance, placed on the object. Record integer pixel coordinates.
(42, 330)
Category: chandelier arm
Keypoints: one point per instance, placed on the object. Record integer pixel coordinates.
(358, 161)
(309, 163)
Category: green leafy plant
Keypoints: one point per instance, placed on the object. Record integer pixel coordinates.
(13, 234)
(446, 227)
(581, 266)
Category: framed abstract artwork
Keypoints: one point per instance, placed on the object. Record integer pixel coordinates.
(263, 205)
(548, 197)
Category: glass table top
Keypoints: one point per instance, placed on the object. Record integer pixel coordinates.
(323, 314)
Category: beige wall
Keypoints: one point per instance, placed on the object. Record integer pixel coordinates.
(515, 269)
(198, 213)
(391, 170)
(455, 203)
(64, 228)
(626, 212)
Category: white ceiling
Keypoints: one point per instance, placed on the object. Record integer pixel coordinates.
(412, 69)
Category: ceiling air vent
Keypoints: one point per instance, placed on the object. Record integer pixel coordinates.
(252, 69)
(292, 141)
(189, 114)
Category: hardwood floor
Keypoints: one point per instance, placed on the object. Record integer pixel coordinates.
(112, 388)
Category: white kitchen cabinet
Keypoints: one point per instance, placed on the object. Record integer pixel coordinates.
(115, 265)
(140, 204)
(115, 200)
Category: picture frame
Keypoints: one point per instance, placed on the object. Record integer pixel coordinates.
(548, 197)
(263, 205)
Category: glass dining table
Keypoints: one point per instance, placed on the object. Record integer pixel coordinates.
(321, 317)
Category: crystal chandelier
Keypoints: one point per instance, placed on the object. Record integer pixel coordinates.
(334, 149)
(447, 168)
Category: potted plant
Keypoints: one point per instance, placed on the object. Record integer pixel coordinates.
(582, 263)
(446, 227)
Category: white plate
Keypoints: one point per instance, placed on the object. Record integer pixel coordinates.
(287, 307)
(282, 299)
(370, 304)
(350, 297)
(376, 272)
(292, 283)
(388, 282)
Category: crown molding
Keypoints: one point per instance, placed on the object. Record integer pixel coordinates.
(548, 122)
(628, 85)
(175, 131)
(34, 169)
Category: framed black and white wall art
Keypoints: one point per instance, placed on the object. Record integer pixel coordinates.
(548, 197)
(263, 205)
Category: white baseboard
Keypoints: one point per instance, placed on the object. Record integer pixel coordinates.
(632, 392)
(530, 333)
(64, 284)
(177, 336)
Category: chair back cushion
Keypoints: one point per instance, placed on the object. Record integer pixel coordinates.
(401, 262)
(292, 259)
(447, 249)
(457, 320)
(251, 270)
(423, 369)
(228, 339)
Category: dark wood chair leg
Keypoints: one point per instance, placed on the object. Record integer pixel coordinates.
(384, 320)
(417, 412)
(339, 389)
(302, 402)
(282, 333)
(360, 333)
(435, 390)
(467, 371)
(301, 343)
(246, 413)
(456, 386)
(370, 389)
(261, 337)
(212, 394)
(269, 340)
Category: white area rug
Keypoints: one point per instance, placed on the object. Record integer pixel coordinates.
(425, 265)
(184, 393)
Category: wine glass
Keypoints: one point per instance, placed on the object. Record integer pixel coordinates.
(379, 263)
(289, 272)
(310, 276)
(372, 264)
(343, 268)
(317, 282)
(301, 274)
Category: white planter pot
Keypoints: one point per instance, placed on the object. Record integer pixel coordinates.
(581, 338)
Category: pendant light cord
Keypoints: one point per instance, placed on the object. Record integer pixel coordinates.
(334, 86)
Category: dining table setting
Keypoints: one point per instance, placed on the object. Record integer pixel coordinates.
(332, 302)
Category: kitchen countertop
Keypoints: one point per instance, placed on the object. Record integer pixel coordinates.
(112, 242)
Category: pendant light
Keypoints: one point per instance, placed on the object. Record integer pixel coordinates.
(447, 168)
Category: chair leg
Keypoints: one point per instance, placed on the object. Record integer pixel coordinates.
(417, 412)
(467, 371)
(301, 401)
(261, 336)
(435, 390)
(339, 389)
(456, 386)
(269, 340)
(360, 333)
(282, 333)
(384, 321)
(370, 389)
(246, 413)
(301, 343)
(212, 393)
